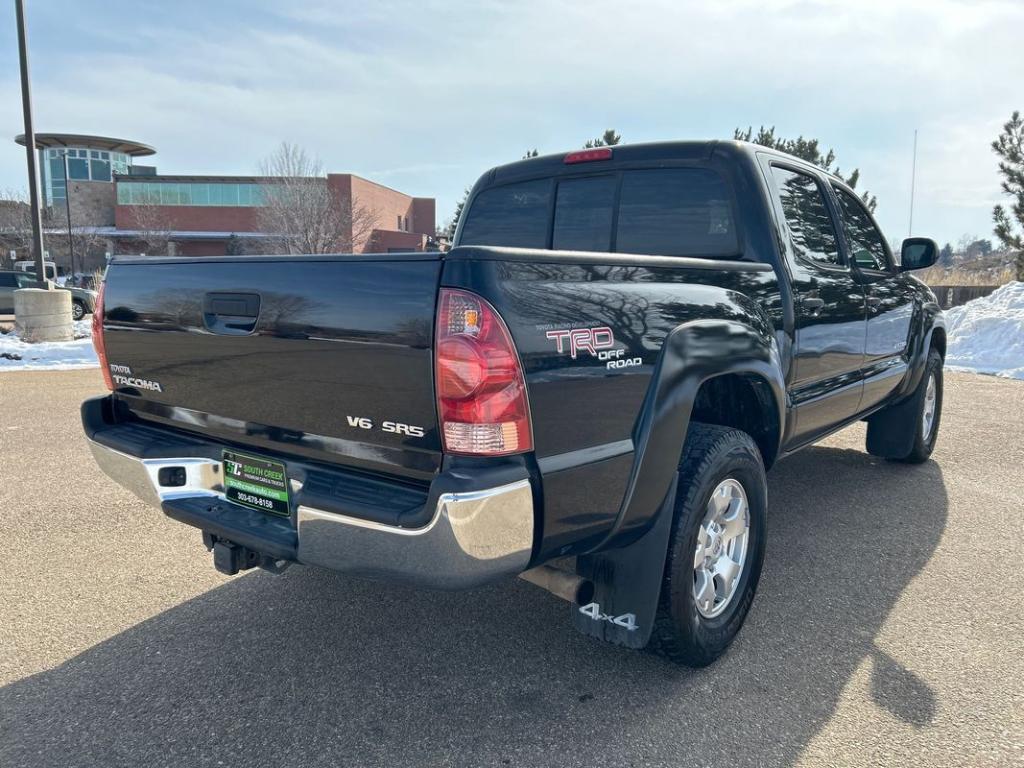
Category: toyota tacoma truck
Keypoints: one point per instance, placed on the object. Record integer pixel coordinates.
(585, 391)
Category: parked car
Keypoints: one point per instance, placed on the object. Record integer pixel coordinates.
(29, 265)
(10, 281)
(585, 391)
(83, 300)
(87, 281)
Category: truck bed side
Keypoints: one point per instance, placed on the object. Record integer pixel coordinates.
(588, 406)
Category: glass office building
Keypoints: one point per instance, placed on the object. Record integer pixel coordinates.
(79, 164)
(64, 156)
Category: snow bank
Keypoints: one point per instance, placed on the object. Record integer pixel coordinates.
(17, 355)
(987, 335)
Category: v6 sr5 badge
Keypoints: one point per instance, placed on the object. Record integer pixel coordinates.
(596, 342)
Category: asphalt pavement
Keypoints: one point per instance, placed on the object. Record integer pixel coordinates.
(888, 629)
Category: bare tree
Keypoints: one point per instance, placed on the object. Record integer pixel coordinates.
(88, 243)
(154, 227)
(299, 211)
(15, 222)
(16, 232)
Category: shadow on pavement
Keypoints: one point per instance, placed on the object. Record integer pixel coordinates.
(310, 668)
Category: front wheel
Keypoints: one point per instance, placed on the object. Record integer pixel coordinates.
(907, 431)
(927, 427)
(716, 548)
(77, 309)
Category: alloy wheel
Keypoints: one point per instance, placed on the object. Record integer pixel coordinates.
(721, 551)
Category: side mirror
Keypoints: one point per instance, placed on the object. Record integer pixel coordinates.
(918, 253)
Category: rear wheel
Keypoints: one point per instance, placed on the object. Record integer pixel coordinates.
(77, 309)
(716, 548)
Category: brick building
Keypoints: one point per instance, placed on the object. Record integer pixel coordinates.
(120, 204)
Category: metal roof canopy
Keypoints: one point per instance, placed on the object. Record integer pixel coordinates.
(52, 140)
(176, 234)
(174, 178)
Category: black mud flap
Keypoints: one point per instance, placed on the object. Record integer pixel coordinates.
(627, 584)
(892, 430)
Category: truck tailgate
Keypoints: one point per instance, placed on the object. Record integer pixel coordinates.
(324, 357)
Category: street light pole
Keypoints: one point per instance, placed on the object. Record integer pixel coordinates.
(913, 181)
(67, 205)
(30, 149)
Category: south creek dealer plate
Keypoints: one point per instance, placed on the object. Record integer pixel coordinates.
(256, 482)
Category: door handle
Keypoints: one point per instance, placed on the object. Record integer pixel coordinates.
(812, 304)
(232, 314)
(872, 302)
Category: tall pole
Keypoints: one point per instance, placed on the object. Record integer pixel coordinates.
(913, 179)
(30, 149)
(67, 206)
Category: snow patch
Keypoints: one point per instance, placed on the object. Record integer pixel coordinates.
(18, 355)
(987, 335)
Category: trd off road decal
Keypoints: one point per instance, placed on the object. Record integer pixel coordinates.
(597, 342)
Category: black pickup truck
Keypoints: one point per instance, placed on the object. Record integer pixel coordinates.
(585, 391)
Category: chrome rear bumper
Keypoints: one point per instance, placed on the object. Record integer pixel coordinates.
(472, 538)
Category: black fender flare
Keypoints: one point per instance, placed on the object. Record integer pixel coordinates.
(692, 353)
(931, 319)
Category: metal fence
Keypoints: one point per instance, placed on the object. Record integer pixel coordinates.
(955, 295)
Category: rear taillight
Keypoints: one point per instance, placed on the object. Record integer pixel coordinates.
(481, 394)
(97, 338)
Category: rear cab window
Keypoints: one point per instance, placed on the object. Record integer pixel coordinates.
(676, 212)
(583, 214)
(515, 215)
(659, 212)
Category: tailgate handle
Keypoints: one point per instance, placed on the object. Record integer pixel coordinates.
(233, 314)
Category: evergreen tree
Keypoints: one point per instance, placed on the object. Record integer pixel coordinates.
(607, 139)
(531, 153)
(946, 256)
(454, 223)
(980, 247)
(805, 149)
(1010, 224)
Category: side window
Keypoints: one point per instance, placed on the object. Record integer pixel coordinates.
(8, 280)
(583, 214)
(810, 226)
(867, 246)
(515, 215)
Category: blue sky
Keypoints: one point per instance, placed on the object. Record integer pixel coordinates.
(424, 96)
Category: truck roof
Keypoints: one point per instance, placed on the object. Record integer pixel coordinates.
(554, 164)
